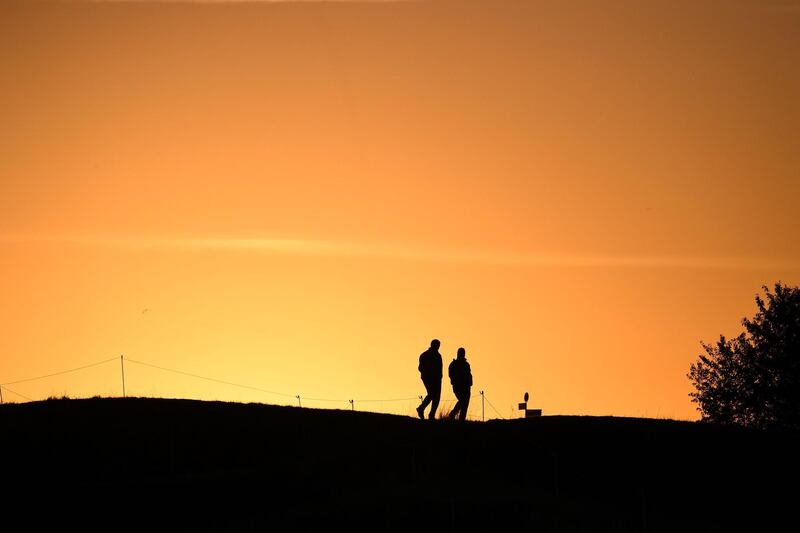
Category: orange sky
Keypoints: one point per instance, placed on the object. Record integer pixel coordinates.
(298, 196)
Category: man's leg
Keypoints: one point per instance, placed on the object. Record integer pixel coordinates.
(464, 401)
(455, 410)
(435, 392)
(425, 402)
(431, 395)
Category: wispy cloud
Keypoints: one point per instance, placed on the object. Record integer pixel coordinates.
(332, 248)
(243, 1)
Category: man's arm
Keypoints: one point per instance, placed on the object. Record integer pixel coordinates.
(422, 363)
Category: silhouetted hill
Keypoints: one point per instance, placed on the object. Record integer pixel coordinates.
(145, 464)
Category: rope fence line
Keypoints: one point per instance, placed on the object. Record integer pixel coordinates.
(6, 389)
(388, 400)
(493, 407)
(211, 379)
(258, 389)
(348, 402)
(59, 373)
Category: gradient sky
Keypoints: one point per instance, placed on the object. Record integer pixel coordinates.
(298, 196)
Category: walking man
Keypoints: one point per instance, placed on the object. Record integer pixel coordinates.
(461, 379)
(430, 370)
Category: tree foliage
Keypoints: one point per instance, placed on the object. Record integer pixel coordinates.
(754, 379)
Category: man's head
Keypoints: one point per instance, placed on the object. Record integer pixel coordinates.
(462, 353)
(435, 344)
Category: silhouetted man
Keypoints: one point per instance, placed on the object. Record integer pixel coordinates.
(461, 379)
(430, 370)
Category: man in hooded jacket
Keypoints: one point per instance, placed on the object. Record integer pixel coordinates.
(461, 379)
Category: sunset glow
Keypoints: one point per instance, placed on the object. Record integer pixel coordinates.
(298, 196)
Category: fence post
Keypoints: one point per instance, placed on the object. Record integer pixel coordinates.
(1, 395)
(483, 411)
(298, 401)
(352, 407)
(122, 366)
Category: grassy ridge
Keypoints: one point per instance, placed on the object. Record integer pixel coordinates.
(190, 465)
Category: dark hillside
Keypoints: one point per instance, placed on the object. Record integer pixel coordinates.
(144, 464)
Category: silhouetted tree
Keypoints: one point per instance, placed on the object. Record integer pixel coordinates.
(754, 379)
